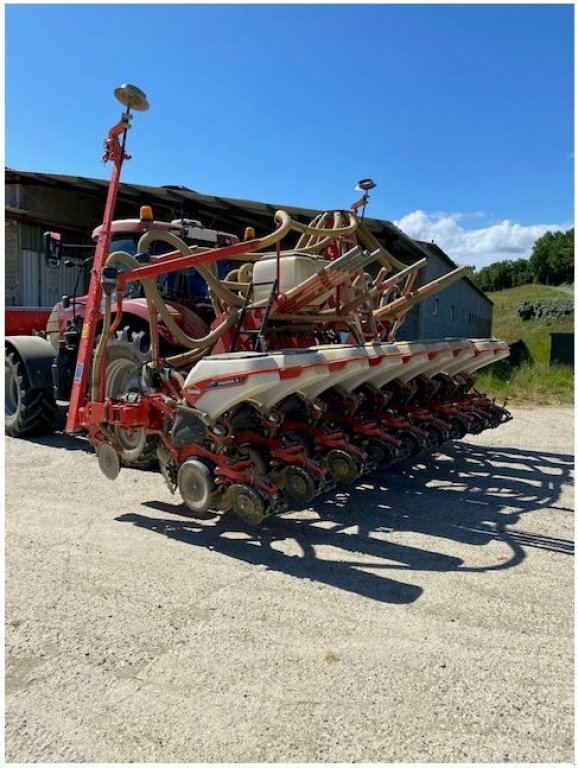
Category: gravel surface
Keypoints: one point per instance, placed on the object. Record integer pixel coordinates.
(424, 617)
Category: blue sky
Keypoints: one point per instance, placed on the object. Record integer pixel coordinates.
(462, 114)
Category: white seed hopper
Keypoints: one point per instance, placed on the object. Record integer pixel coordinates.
(487, 351)
(219, 382)
(463, 351)
(345, 363)
(299, 369)
(294, 269)
(391, 362)
(416, 358)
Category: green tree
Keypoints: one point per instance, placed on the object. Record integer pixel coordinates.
(562, 257)
(552, 259)
(540, 258)
(521, 272)
(501, 274)
(551, 262)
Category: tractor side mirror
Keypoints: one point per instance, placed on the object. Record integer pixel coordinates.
(52, 248)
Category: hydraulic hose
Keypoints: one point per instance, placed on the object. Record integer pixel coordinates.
(152, 294)
(307, 240)
(370, 241)
(217, 287)
(308, 243)
(187, 358)
(332, 232)
(98, 355)
(206, 273)
(314, 236)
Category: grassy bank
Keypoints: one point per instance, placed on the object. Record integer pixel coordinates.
(508, 325)
(533, 382)
(530, 383)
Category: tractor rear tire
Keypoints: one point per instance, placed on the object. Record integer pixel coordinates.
(125, 358)
(27, 411)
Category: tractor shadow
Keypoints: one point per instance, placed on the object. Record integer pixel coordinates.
(353, 539)
(59, 438)
(63, 441)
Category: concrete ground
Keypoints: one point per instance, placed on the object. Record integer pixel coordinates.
(425, 616)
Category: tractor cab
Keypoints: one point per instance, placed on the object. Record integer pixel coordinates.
(187, 287)
(186, 290)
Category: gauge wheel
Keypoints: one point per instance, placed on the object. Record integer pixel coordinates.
(298, 484)
(410, 445)
(434, 439)
(196, 485)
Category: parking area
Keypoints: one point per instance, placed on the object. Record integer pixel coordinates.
(424, 616)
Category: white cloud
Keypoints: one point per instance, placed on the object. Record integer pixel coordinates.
(477, 247)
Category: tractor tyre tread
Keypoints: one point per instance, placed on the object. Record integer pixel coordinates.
(147, 459)
(133, 345)
(36, 410)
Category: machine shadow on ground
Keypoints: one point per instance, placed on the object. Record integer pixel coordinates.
(469, 494)
(62, 440)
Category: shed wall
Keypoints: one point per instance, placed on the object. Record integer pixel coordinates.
(12, 294)
(27, 279)
(458, 310)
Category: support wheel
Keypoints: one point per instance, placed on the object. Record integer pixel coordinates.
(342, 467)
(434, 439)
(27, 411)
(298, 484)
(247, 504)
(380, 452)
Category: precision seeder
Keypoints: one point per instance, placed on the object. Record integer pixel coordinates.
(295, 385)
